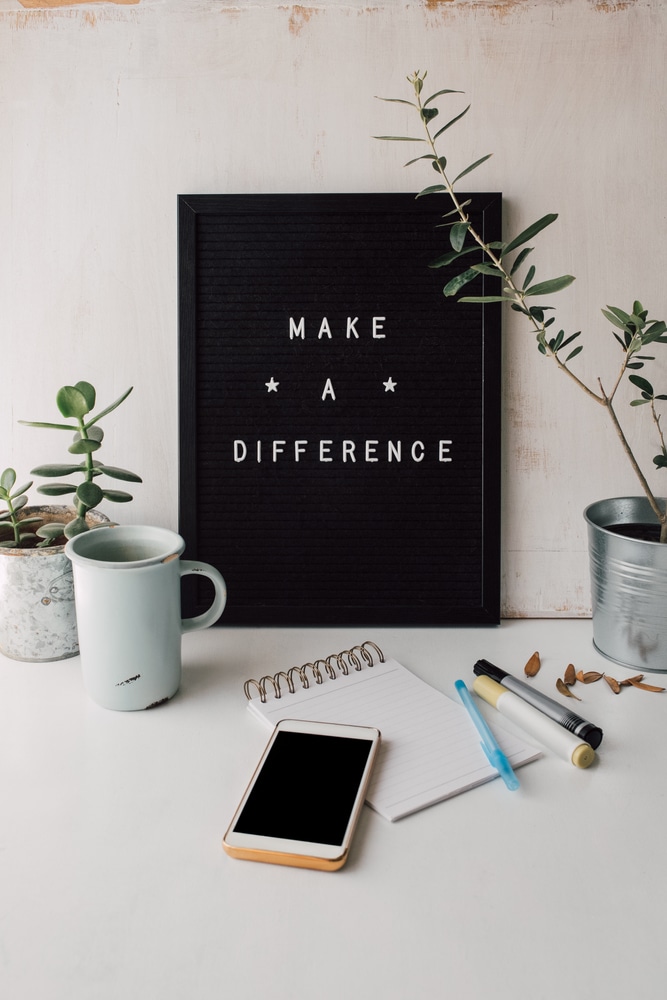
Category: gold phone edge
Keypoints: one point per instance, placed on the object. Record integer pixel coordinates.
(289, 860)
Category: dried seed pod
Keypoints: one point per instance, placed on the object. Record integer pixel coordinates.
(613, 683)
(580, 676)
(644, 687)
(592, 675)
(565, 690)
(533, 665)
(628, 681)
(569, 676)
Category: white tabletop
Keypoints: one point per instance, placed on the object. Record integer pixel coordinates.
(114, 885)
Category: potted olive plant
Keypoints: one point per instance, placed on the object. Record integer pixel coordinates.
(627, 535)
(37, 613)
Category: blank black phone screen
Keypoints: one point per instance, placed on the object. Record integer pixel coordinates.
(306, 788)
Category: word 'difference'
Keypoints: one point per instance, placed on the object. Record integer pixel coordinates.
(326, 450)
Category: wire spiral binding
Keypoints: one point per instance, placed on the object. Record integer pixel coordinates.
(337, 663)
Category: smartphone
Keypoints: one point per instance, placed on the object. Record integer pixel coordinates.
(305, 797)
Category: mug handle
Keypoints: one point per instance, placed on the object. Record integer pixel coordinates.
(211, 616)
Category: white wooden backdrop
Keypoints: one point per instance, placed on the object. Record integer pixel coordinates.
(108, 110)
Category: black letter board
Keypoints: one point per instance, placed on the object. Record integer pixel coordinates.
(339, 417)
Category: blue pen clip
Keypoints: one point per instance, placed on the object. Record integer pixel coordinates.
(490, 746)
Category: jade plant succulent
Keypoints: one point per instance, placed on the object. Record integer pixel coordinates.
(27, 530)
(75, 403)
(508, 261)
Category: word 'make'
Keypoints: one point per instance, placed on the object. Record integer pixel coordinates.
(298, 330)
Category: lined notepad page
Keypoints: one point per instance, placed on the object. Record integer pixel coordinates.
(430, 748)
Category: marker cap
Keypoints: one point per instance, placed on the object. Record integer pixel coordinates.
(488, 689)
(583, 755)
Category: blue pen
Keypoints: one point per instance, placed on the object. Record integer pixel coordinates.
(490, 746)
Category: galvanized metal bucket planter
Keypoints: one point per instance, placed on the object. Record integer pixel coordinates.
(628, 586)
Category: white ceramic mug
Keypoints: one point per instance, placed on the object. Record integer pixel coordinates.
(128, 610)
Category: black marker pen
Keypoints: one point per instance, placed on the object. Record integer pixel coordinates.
(574, 723)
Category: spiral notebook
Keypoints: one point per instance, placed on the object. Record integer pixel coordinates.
(430, 748)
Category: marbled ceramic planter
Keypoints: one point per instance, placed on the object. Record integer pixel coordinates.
(37, 613)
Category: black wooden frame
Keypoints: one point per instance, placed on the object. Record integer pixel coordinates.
(484, 605)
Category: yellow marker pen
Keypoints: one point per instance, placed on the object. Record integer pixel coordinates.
(535, 723)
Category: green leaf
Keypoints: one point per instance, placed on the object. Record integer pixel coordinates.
(457, 235)
(520, 257)
(434, 189)
(530, 274)
(92, 431)
(84, 446)
(88, 391)
(42, 423)
(641, 383)
(453, 255)
(453, 286)
(396, 100)
(114, 473)
(72, 402)
(574, 353)
(439, 93)
(424, 156)
(19, 502)
(22, 489)
(117, 496)
(486, 269)
(654, 332)
(484, 298)
(50, 531)
(428, 114)
(75, 527)
(7, 480)
(398, 138)
(471, 167)
(109, 409)
(56, 489)
(51, 471)
(616, 317)
(89, 494)
(531, 231)
(551, 286)
(568, 340)
(439, 164)
(639, 402)
(660, 461)
(450, 123)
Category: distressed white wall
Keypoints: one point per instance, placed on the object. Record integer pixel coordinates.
(109, 110)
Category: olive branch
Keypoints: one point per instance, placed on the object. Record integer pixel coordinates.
(508, 261)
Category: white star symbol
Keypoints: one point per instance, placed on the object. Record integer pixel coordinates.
(272, 386)
(389, 385)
